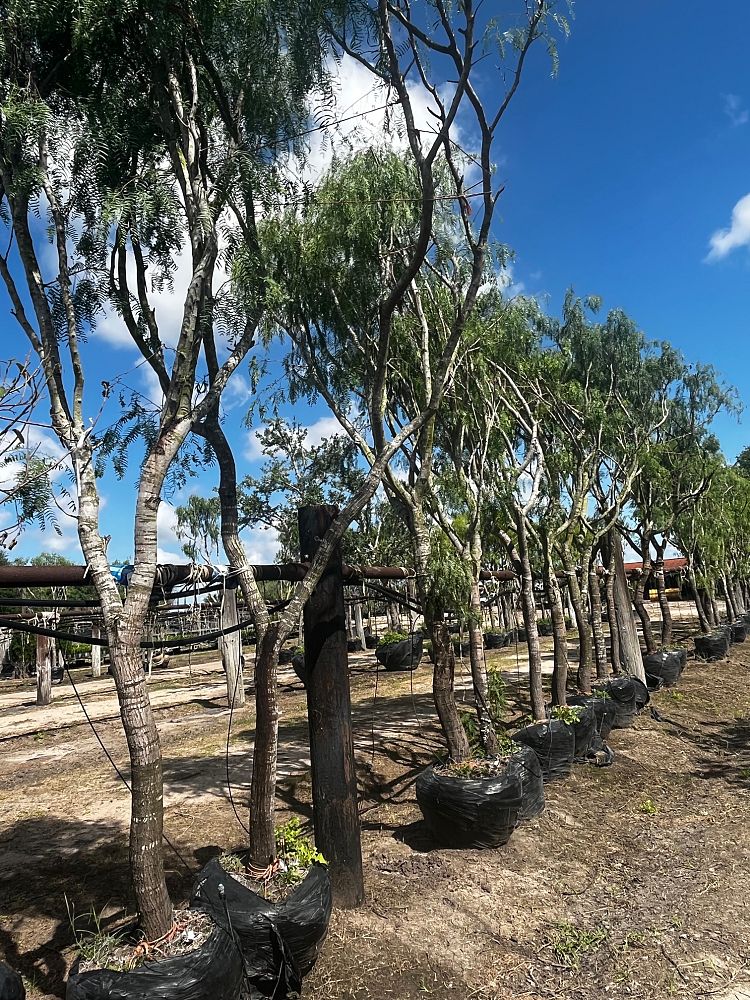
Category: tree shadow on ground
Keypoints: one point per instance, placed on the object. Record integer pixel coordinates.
(57, 870)
(727, 750)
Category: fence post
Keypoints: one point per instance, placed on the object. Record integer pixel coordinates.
(334, 780)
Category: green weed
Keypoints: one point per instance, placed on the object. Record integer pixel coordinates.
(571, 943)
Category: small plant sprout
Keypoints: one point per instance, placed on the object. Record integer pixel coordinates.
(648, 807)
(570, 943)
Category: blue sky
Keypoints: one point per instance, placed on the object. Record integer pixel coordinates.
(617, 174)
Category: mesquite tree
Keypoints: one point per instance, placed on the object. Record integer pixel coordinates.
(142, 138)
(385, 233)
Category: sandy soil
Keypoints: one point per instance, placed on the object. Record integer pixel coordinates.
(635, 882)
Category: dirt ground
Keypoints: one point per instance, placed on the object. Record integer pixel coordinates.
(635, 882)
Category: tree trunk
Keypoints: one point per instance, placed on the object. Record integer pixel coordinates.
(442, 647)
(146, 821)
(597, 626)
(508, 617)
(487, 733)
(528, 609)
(96, 653)
(394, 617)
(703, 622)
(491, 612)
(708, 608)
(265, 749)
(657, 567)
(738, 599)
(642, 612)
(614, 630)
(230, 647)
(583, 677)
(44, 654)
(559, 632)
(630, 647)
(443, 690)
(728, 598)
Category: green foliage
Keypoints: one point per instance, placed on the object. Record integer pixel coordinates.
(648, 807)
(567, 713)
(449, 578)
(296, 850)
(497, 694)
(570, 943)
(92, 942)
(390, 637)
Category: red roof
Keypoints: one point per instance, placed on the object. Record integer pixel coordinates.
(670, 565)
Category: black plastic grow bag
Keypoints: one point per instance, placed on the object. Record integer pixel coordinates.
(494, 640)
(212, 972)
(605, 711)
(371, 641)
(642, 697)
(354, 645)
(525, 763)
(739, 631)
(712, 647)
(11, 984)
(584, 730)
(622, 692)
(668, 666)
(470, 812)
(404, 655)
(554, 744)
(301, 919)
(298, 665)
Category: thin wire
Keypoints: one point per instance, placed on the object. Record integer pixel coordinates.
(119, 773)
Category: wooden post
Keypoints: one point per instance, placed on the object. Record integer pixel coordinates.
(44, 654)
(96, 653)
(334, 780)
(231, 647)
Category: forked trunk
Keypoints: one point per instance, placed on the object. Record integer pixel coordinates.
(642, 612)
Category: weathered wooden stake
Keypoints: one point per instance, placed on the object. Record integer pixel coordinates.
(96, 654)
(44, 654)
(334, 781)
(231, 647)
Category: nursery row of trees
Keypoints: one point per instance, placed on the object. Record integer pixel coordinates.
(136, 138)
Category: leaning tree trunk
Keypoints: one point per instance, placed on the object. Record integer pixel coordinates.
(738, 599)
(597, 626)
(642, 612)
(585, 657)
(630, 647)
(703, 622)
(559, 632)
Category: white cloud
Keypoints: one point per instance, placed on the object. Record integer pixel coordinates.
(169, 548)
(736, 235)
(735, 110)
(361, 98)
(261, 545)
